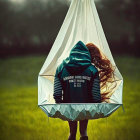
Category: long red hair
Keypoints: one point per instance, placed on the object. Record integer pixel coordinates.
(106, 71)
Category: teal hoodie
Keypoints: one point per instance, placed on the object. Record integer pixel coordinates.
(76, 79)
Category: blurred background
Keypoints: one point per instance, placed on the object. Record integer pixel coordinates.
(31, 26)
(28, 29)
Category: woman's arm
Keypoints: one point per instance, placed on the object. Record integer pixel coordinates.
(57, 90)
(96, 94)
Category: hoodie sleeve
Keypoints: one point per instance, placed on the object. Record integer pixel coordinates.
(57, 89)
(96, 95)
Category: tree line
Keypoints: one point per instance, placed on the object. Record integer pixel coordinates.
(31, 27)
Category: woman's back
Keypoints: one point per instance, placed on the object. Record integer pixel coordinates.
(77, 78)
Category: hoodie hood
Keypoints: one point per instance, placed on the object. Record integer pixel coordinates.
(79, 59)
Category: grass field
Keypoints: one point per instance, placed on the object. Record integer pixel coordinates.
(21, 119)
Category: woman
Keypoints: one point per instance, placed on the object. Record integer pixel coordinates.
(77, 80)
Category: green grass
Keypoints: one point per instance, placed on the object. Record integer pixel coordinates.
(22, 119)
